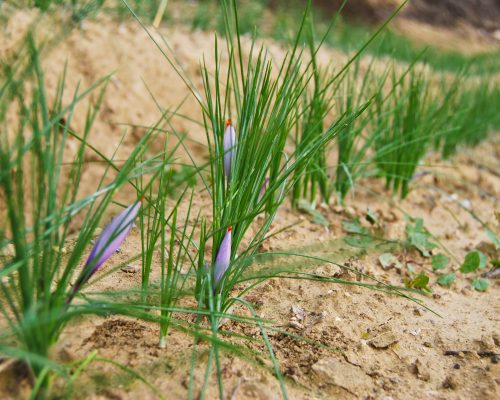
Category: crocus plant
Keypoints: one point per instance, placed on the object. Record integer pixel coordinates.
(223, 258)
(229, 144)
(107, 243)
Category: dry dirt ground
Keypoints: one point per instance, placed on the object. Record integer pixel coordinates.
(375, 346)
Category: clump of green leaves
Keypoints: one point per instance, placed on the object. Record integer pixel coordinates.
(420, 281)
(440, 262)
(79, 9)
(354, 141)
(403, 122)
(263, 108)
(359, 235)
(419, 237)
(313, 176)
(474, 261)
(473, 114)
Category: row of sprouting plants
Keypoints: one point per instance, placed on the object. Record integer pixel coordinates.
(407, 114)
(274, 129)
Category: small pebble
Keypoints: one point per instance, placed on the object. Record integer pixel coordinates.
(130, 269)
(456, 366)
(415, 332)
(350, 211)
(466, 204)
(296, 325)
(8, 250)
(450, 383)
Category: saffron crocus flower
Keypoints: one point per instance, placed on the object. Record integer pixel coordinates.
(223, 257)
(229, 144)
(107, 243)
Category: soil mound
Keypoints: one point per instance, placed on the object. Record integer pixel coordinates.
(483, 14)
(371, 11)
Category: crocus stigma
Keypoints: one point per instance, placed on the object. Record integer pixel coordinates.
(223, 257)
(229, 144)
(107, 243)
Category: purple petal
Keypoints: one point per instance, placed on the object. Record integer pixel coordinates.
(112, 236)
(263, 188)
(106, 244)
(223, 257)
(229, 144)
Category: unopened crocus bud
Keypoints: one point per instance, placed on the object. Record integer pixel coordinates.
(263, 188)
(108, 242)
(223, 257)
(229, 144)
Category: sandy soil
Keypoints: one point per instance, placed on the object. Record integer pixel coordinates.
(376, 346)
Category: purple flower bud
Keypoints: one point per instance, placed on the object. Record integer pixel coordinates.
(223, 257)
(107, 243)
(229, 144)
(263, 188)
